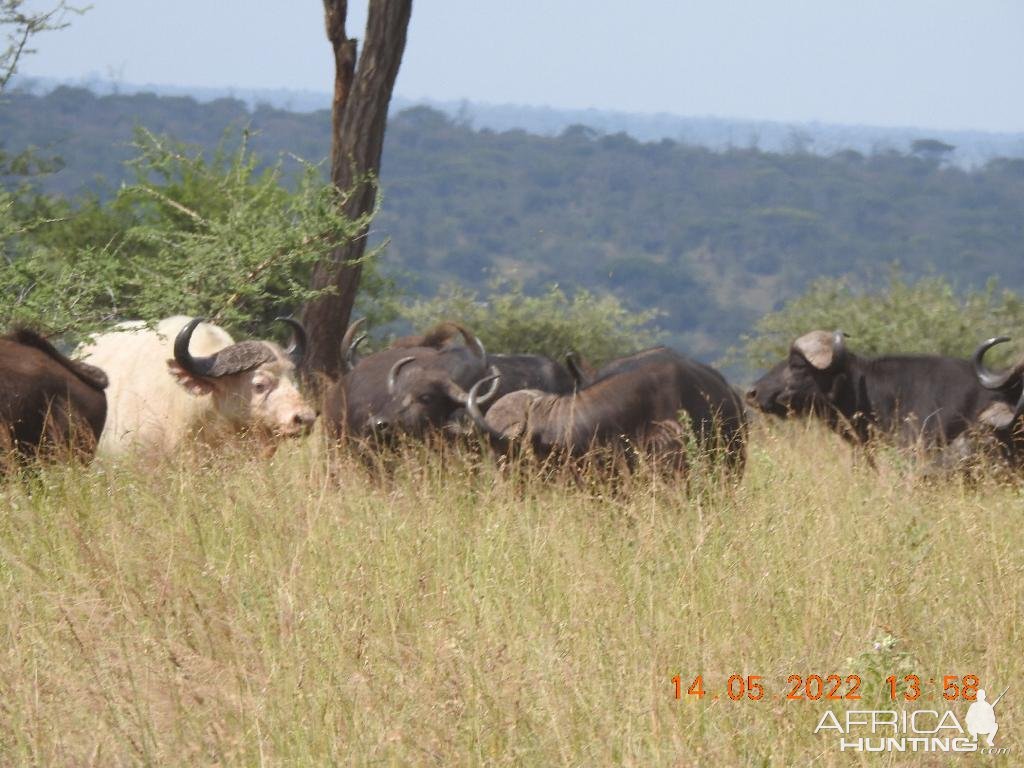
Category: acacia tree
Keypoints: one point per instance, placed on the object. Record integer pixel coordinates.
(362, 93)
(21, 26)
(18, 27)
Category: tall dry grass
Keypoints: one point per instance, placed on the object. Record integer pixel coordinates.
(237, 611)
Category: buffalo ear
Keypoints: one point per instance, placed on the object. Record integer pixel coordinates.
(817, 348)
(194, 385)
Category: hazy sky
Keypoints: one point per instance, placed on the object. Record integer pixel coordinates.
(929, 63)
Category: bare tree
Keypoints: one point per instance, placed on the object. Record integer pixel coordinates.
(22, 26)
(362, 93)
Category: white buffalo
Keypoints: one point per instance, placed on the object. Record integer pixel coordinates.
(188, 379)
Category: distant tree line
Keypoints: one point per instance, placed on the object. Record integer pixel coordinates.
(712, 240)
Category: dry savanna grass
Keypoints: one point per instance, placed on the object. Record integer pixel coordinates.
(233, 610)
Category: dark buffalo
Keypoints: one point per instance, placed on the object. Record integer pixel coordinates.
(1007, 387)
(419, 383)
(531, 372)
(640, 401)
(48, 403)
(370, 392)
(408, 389)
(914, 398)
(335, 398)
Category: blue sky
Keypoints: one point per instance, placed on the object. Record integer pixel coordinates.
(948, 64)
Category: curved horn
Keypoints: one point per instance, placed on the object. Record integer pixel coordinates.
(472, 341)
(473, 408)
(348, 346)
(350, 353)
(296, 350)
(456, 393)
(197, 366)
(987, 378)
(838, 347)
(238, 357)
(490, 393)
(393, 373)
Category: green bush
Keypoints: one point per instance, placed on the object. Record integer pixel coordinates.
(216, 237)
(926, 317)
(507, 320)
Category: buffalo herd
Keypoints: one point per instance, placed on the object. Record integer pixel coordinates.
(141, 389)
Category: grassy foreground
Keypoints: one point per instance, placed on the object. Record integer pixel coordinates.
(265, 612)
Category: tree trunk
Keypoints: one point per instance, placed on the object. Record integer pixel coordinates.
(362, 93)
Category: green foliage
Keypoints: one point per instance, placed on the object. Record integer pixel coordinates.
(9, 225)
(597, 327)
(220, 238)
(874, 666)
(926, 316)
(714, 239)
(19, 27)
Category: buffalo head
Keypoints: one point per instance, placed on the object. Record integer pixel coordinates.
(1009, 384)
(252, 382)
(806, 381)
(426, 388)
(414, 386)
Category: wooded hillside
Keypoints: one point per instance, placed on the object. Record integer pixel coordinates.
(712, 239)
